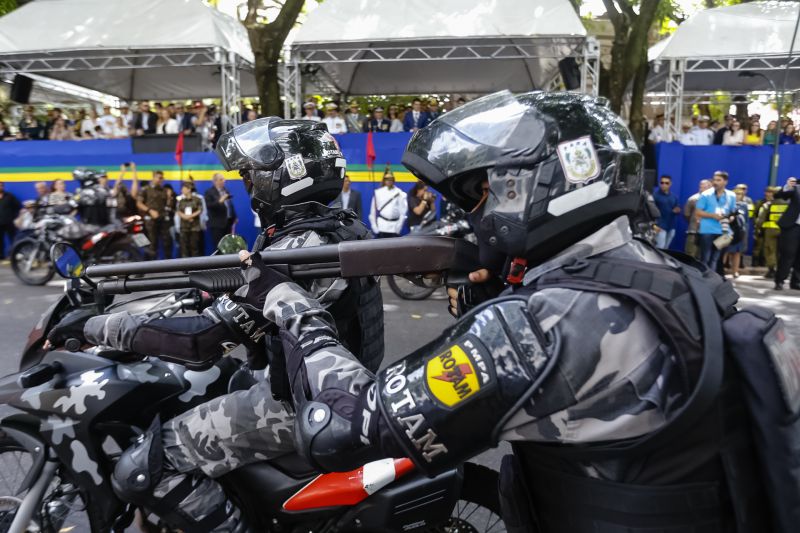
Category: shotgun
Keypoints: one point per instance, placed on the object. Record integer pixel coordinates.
(411, 255)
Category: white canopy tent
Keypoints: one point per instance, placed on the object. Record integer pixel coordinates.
(710, 50)
(359, 47)
(132, 49)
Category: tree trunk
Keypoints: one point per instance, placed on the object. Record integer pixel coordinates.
(637, 102)
(617, 76)
(266, 40)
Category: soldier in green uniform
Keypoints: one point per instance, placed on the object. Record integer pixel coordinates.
(189, 209)
(153, 202)
(767, 226)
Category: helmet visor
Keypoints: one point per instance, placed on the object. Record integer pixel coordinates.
(250, 147)
(478, 135)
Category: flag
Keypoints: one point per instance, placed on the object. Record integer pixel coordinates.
(179, 150)
(371, 156)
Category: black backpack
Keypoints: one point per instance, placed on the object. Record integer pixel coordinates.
(751, 342)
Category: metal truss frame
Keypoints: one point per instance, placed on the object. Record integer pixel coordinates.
(77, 60)
(677, 98)
(296, 69)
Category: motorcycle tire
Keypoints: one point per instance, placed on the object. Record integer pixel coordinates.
(19, 260)
(478, 508)
(407, 290)
(61, 510)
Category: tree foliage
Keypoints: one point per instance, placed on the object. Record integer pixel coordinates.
(633, 21)
(6, 6)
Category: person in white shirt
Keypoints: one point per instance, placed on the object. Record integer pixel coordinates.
(310, 112)
(120, 129)
(127, 115)
(387, 212)
(657, 133)
(734, 136)
(88, 124)
(687, 135)
(107, 121)
(703, 135)
(165, 123)
(335, 123)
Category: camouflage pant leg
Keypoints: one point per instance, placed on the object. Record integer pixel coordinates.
(190, 243)
(158, 230)
(691, 247)
(229, 432)
(771, 247)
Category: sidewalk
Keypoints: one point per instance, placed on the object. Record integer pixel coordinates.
(755, 290)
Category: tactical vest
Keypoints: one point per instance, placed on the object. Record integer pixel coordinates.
(358, 313)
(776, 210)
(726, 462)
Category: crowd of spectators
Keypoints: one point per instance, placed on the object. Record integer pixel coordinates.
(702, 131)
(59, 124)
(358, 119)
(721, 220)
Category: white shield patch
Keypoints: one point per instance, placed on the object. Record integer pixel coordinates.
(579, 160)
(296, 167)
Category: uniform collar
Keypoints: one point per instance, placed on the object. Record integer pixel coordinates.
(611, 236)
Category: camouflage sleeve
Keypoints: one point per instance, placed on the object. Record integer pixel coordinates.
(616, 377)
(327, 364)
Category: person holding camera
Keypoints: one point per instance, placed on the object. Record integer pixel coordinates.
(421, 206)
(714, 209)
(221, 214)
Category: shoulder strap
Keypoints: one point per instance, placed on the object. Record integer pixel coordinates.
(661, 291)
(390, 200)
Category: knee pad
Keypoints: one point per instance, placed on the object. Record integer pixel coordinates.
(140, 467)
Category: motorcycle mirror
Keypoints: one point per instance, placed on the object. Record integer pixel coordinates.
(66, 260)
(231, 244)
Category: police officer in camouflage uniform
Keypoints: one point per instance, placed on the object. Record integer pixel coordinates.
(153, 202)
(291, 169)
(581, 364)
(189, 208)
(92, 196)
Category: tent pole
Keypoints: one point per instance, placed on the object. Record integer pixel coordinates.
(674, 91)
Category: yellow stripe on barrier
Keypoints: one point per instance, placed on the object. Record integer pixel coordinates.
(197, 175)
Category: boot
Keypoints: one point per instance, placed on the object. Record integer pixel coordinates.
(770, 273)
(778, 286)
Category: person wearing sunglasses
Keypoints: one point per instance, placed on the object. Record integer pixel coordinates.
(669, 208)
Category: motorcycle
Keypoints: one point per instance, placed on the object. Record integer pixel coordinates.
(75, 411)
(115, 243)
(452, 224)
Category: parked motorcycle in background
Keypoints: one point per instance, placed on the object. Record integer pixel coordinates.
(119, 242)
(452, 224)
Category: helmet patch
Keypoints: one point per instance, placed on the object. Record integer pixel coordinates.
(296, 167)
(579, 160)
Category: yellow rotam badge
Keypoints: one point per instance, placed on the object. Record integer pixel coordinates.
(451, 376)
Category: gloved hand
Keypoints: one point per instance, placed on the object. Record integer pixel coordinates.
(482, 288)
(71, 326)
(260, 280)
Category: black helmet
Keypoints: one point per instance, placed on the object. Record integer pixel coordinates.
(559, 166)
(283, 162)
(87, 176)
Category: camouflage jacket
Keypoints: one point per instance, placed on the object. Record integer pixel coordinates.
(615, 378)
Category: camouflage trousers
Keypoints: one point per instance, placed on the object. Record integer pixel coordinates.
(229, 432)
(770, 239)
(190, 243)
(158, 230)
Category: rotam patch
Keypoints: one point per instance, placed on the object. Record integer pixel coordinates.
(296, 167)
(579, 160)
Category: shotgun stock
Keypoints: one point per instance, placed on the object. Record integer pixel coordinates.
(455, 258)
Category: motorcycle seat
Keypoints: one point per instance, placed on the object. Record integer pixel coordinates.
(294, 465)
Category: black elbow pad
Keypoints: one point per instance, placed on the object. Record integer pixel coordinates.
(449, 400)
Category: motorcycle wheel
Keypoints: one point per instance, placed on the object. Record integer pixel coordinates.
(62, 506)
(407, 290)
(41, 270)
(478, 509)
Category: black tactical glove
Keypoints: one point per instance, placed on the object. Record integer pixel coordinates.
(71, 326)
(260, 278)
(471, 295)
